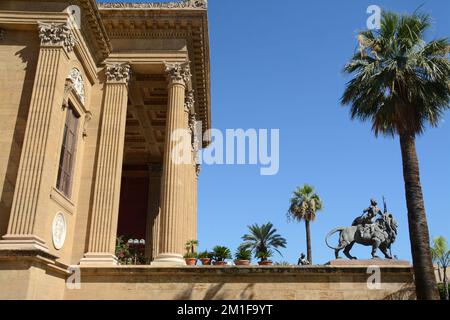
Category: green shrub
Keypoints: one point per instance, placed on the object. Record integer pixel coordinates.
(243, 254)
(441, 288)
(221, 253)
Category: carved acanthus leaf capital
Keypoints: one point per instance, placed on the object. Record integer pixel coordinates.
(54, 34)
(118, 73)
(178, 72)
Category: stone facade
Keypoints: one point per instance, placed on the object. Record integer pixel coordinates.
(121, 73)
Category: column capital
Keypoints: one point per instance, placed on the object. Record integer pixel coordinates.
(178, 73)
(118, 73)
(56, 34)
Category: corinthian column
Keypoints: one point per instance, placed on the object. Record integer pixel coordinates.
(105, 209)
(173, 182)
(26, 228)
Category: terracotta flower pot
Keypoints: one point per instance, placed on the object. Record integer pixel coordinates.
(220, 263)
(265, 263)
(191, 261)
(206, 261)
(242, 262)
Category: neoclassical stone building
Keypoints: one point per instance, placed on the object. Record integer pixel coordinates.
(91, 96)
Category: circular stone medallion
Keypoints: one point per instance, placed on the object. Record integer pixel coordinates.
(59, 229)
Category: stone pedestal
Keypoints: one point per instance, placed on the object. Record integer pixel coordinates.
(369, 263)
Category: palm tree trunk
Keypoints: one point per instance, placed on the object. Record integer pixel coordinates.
(425, 280)
(446, 284)
(308, 242)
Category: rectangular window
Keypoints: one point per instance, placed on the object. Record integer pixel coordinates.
(67, 156)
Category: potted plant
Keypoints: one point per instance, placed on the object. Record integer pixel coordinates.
(220, 254)
(191, 256)
(205, 257)
(243, 257)
(264, 258)
(123, 253)
(262, 240)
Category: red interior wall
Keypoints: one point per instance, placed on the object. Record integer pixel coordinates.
(133, 207)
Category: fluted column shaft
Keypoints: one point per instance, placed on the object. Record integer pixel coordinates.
(25, 229)
(105, 209)
(173, 182)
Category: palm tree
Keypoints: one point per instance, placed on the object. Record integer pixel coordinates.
(441, 255)
(401, 84)
(262, 239)
(304, 205)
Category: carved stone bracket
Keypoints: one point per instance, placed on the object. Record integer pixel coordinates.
(178, 72)
(53, 34)
(118, 73)
(87, 119)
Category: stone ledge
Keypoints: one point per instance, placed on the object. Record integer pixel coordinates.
(237, 270)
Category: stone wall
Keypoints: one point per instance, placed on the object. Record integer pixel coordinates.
(36, 275)
(241, 283)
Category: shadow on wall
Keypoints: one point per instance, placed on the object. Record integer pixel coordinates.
(214, 293)
(407, 292)
(28, 57)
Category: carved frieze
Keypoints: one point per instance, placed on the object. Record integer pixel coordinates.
(53, 34)
(185, 4)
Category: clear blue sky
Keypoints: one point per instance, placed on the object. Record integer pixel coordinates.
(277, 64)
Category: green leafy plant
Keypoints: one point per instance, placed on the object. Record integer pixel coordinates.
(262, 239)
(264, 255)
(243, 254)
(191, 245)
(441, 255)
(123, 253)
(205, 255)
(190, 255)
(221, 253)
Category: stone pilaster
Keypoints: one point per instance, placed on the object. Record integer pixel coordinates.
(153, 210)
(105, 208)
(26, 229)
(173, 183)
